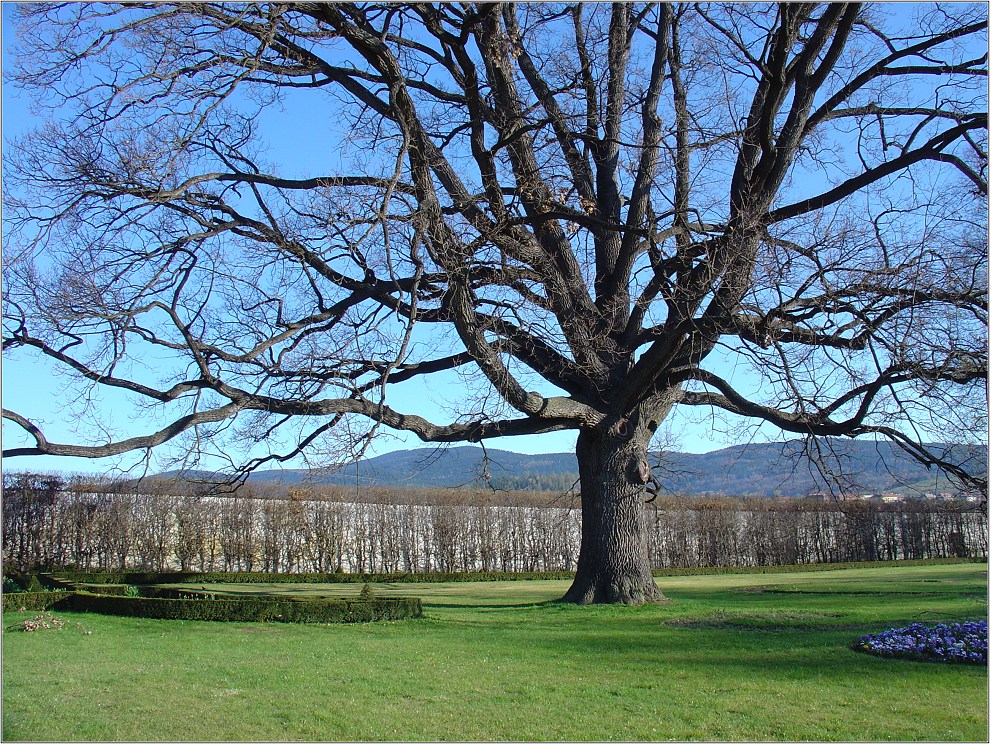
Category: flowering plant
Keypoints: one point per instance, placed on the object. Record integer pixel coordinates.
(954, 643)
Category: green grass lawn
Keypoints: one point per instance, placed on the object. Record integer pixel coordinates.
(732, 657)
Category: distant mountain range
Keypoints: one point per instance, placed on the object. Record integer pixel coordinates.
(767, 470)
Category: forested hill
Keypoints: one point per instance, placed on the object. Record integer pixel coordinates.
(777, 469)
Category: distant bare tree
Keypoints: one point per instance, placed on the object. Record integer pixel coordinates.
(190, 532)
(154, 530)
(31, 502)
(597, 212)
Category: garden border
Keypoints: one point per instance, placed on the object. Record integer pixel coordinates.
(63, 577)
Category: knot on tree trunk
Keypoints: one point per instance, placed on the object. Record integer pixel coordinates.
(641, 472)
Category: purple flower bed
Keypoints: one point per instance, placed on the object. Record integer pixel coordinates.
(952, 643)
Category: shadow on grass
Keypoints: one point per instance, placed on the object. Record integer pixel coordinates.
(757, 655)
(482, 606)
(466, 604)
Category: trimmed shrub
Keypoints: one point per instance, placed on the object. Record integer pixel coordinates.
(34, 600)
(251, 609)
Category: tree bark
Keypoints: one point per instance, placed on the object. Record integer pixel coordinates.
(613, 565)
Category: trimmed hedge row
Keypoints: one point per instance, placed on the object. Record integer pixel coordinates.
(177, 605)
(808, 567)
(56, 582)
(257, 577)
(34, 600)
(251, 609)
(220, 577)
(181, 604)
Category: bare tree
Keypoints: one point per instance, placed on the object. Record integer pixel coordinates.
(595, 212)
(237, 533)
(30, 505)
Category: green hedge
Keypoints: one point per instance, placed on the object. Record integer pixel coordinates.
(258, 577)
(177, 604)
(68, 578)
(34, 600)
(117, 590)
(806, 567)
(23, 582)
(60, 583)
(250, 609)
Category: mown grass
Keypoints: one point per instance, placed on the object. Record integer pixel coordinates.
(732, 657)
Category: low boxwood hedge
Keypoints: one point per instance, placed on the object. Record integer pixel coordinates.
(250, 609)
(34, 600)
(178, 604)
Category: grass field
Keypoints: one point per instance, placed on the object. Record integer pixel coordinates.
(732, 657)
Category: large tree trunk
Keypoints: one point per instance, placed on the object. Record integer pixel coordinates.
(613, 565)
